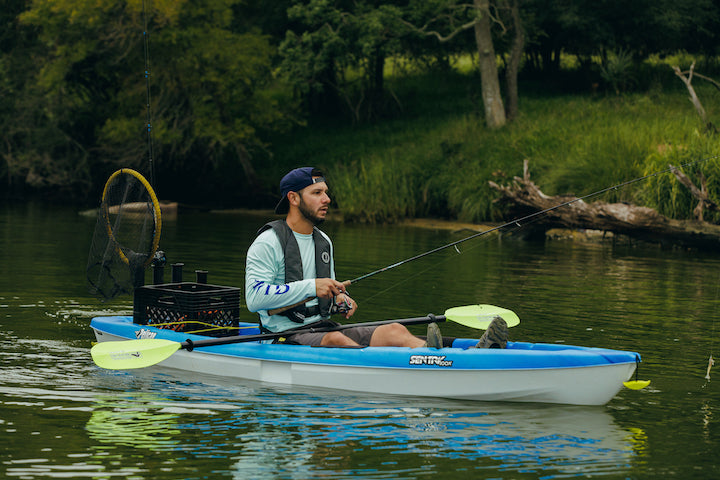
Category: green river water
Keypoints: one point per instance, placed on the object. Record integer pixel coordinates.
(63, 417)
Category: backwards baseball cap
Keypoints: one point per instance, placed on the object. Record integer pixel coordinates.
(295, 181)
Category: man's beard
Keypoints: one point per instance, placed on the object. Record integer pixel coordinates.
(309, 214)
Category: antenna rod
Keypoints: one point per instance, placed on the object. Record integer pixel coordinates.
(148, 115)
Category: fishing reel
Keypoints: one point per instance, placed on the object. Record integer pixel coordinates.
(342, 308)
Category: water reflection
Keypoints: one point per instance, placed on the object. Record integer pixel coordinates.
(143, 423)
(295, 433)
(140, 426)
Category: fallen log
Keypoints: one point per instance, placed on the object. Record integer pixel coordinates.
(522, 198)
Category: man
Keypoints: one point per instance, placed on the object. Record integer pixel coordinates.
(291, 261)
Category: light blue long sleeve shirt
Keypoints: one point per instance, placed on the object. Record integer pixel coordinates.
(265, 287)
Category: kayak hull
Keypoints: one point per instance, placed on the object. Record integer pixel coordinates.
(523, 372)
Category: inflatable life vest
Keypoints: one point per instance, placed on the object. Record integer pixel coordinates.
(294, 270)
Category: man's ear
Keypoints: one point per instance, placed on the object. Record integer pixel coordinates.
(294, 198)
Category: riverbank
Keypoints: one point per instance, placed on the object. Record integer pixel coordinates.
(428, 223)
(463, 228)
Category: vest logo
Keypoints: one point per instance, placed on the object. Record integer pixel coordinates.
(325, 256)
(438, 360)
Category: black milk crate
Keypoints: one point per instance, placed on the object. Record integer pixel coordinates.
(188, 307)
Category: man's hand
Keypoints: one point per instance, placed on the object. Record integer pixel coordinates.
(328, 287)
(344, 301)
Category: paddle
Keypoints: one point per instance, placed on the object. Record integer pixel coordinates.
(127, 354)
(636, 384)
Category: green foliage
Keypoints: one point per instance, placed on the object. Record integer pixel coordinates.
(616, 70)
(71, 77)
(213, 94)
(394, 190)
(335, 57)
(440, 165)
(698, 158)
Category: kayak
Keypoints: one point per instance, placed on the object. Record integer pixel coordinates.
(522, 372)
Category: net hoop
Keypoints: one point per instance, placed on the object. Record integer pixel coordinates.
(157, 223)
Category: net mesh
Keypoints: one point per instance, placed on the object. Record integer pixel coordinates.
(124, 240)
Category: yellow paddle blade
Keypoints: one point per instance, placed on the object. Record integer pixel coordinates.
(636, 384)
(129, 354)
(480, 316)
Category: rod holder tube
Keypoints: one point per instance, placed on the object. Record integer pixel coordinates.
(158, 274)
(201, 276)
(177, 272)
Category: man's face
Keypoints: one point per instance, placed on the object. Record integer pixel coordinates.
(314, 202)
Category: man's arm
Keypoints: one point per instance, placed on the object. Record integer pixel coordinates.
(264, 287)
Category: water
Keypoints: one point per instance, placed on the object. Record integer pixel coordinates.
(62, 417)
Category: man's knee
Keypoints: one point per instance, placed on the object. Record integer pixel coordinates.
(394, 330)
(336, 338)
(394, 335)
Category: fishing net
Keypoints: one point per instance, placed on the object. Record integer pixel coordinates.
(126, 235)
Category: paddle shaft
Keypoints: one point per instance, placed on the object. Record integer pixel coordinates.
(189, 345)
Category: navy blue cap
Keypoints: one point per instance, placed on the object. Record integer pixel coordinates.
(295, 181)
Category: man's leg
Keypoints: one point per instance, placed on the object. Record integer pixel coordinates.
(337, 339)
(395, 335)
(316, 339)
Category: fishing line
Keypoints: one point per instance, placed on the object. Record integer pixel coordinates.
(447, 259)
(408, 278)
(148, 115)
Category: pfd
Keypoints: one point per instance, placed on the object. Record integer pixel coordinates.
(293, 267)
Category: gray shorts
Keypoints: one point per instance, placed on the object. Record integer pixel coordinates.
(360, 335)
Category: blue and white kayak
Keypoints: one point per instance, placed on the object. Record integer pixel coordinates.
(522, 372)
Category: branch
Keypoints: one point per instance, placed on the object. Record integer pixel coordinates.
(699, 193)
(440, 37)
(713, 82)
(693, 96)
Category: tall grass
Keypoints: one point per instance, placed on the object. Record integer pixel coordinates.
(697, 159)
(438, 158)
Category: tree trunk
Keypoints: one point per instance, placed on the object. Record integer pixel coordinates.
(511, 75)
(250, 175)
(377, 72)
(376, 85)
(492, 99)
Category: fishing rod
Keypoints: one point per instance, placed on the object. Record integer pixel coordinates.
(148, 115)
(517, 222)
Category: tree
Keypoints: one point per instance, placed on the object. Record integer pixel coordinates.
(446, 19)
(335, 37)
(589, 28)
(487, 61)
(29, 138)
(335, 57)
(515, 56)
(211, 87)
